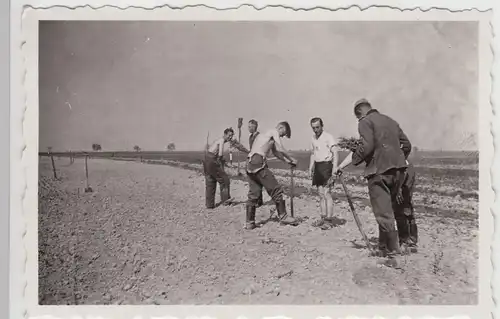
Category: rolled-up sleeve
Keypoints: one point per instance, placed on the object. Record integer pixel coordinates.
(367, 146)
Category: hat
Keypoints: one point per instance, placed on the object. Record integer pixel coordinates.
(361, 102)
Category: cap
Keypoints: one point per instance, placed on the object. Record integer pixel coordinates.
(361, 101)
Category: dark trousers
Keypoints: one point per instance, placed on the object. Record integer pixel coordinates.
(383, 190)
(260, 177)
(263, 179)
(214, 174)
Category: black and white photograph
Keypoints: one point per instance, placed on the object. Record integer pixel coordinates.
(259, 162)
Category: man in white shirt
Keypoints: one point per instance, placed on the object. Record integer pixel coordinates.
(324, 161)
(260, 176)
(252, 129)
(213, 169)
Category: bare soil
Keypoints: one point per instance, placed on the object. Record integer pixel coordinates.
(143, 236)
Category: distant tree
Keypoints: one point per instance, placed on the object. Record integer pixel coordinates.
(96, 147)
(137, 148)
(348, 143)
(415, 149)
(171, 147)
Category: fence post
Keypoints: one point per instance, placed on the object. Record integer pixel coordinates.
(53, 165)
(88, 189)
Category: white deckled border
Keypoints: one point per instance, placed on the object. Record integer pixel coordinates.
(24, 150)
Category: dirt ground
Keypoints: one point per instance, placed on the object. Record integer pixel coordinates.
(143, 236)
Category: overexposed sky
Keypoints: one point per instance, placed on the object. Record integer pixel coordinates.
(122, 84)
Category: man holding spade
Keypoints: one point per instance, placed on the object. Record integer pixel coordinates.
(260, 176)
(384, 148)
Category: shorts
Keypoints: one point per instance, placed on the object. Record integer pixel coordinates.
(322, 173)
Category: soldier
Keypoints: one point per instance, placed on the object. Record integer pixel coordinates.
(213, 169)
(259, 175)
(384, 149)
(252, 129)
(323, 162)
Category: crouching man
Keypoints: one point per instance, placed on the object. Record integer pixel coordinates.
(260, 176)
(213, 167)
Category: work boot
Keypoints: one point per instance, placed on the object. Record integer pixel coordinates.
(250, 217)
(393, 249)
(224, 195)
(283, 216)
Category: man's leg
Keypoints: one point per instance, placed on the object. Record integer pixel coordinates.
(316, 181)
(412, 225)
(322, 208)
(329, 202)
(224, 182)
(322, 202)
(326, 175)
(210, 186)
(402, 223)
(254, 189)
(411, 218)
(379, 187)
(275, 190)
(260, 201)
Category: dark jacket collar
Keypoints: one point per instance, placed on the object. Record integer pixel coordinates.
(372, 111)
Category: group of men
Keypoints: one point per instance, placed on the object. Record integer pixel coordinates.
(384, 149)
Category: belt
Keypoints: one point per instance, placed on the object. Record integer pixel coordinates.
(253, 168)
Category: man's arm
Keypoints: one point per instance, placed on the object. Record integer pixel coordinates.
(279, 155)
(335, 153)
(367, 146)
(404, 142)
(283, 156)
(239, 146)
(279, 148)
(221, 147)
(346, 162)
(311, 160)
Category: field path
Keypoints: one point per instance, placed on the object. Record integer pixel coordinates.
(144, 237)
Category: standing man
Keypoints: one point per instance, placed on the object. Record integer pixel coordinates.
(260, 176)
(324, 161)
(384, 148)
(213, 169)
(252, 129)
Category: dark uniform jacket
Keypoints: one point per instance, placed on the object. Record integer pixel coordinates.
(384, 144)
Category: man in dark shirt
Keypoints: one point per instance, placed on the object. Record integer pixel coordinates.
(252, 129)
(384, 149)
